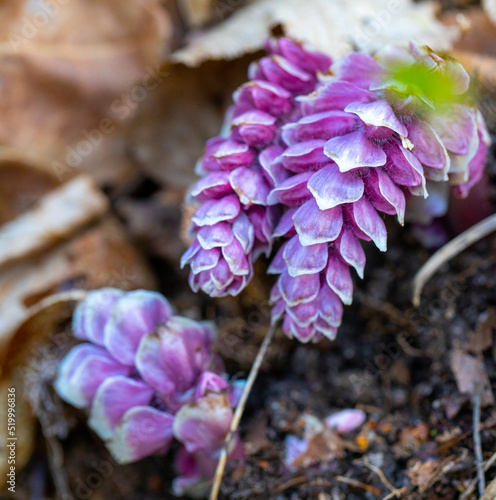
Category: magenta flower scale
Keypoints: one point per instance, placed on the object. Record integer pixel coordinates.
(148, 377)
(319, 152)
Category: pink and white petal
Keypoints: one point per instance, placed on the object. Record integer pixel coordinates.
(190, 253)
(357, 67)
(305, 156)
(214, 211)
(299, 55)
(346, 420)
(218, 235)
(92, 314)
(205, 260)
(232, 154)
(212, 185)
(392, 194)
(332, 187)
(476, 169)
(370, 222)
(428, 148)
(330, 307)
(319, 126)
(250, 186)
(302, 260)
(150, 365)
(349, 221)
(271, 165)
(292, 192)
(328, 331)
(202, 426)
(456, 128)
(304, 334)
(339, 279)
(133, 316)
(236, 258)
(304, 314)
(298, 290)
(278, 264)
(280, 71)
(332, 96)
(142, 432)
(286, 227)
(278, 310)
(114, 397)
(403, 166)
(379, 114)
(265, 96)
(244, 232)
(190, 480)
(384, 194)
(314, 225)
(209, 382)
(350, 249)
(82, 371)
(354, 150)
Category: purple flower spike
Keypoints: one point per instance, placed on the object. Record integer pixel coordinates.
(150, 377)
(335, 149)
(243, 168)
(384, 147)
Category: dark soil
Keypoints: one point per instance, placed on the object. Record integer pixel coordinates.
(391, 360)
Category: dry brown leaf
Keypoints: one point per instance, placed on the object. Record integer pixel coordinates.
(332, 26)
(471, 376)
(197, 12)
(100, 256)
(490, 7)
(67, 90)
(63, 211)
(172, 126)
(490, 491)
(322, 444)
(23, 181)
(152, 221)
(482, 338)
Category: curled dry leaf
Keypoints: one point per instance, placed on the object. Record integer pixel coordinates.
(66, 90)
(332, 26)
(101, 256)
(471, 376)
(61, 212)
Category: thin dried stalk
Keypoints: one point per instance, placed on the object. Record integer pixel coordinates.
(450, 250)
(214, 493)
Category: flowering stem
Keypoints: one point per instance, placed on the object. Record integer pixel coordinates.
(450, 250)
(240, 409)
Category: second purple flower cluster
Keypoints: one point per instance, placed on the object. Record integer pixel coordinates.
(148, 377)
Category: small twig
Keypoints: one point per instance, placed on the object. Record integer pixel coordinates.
(239, 410)
(473, 483)
(395, 492)
(55, 461)
(477, 443)
(358, 484)
(289, 484)
(450, 250)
